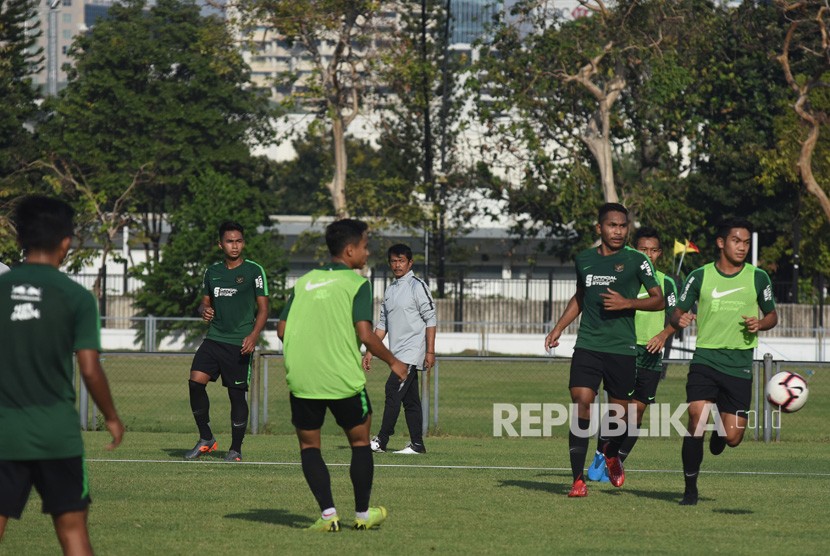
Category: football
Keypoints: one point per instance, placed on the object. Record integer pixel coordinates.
(788, 391)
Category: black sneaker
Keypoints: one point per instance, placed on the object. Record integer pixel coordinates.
(689, 499)
(233, 455)
(202, 447)
(717, 443)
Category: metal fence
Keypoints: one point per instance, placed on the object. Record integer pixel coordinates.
(150, 390)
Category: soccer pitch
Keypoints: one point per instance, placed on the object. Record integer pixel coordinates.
(471, 493)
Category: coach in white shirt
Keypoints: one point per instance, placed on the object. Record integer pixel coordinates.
(3, 268)
(408, 316)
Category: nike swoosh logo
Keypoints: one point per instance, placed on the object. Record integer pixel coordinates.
(642, 295)
(651, 398)
(239, 382)
(309, 286)
(717, 295)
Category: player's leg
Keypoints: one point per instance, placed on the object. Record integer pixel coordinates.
(307, 416)
(15, 487)
(354, 415)
(203, 370)
(413, 412)
(619, 376)
(645, 394)
(734, 399)
(72, 533)
(63, 485)
(584, 381)
(235, 370)
(391, 411)
(701, 391)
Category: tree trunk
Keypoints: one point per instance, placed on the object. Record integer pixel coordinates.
(337, 186)
(805, 168)
(599, 143)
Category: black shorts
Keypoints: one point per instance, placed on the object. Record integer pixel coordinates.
(308, 414)
(617, 373)
(732, 394)
(218, 358)
(62, 484)
(645, 389)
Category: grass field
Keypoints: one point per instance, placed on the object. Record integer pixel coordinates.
(472, 493)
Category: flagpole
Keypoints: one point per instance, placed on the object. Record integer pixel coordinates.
(683, 254)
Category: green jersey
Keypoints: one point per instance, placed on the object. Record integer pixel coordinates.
(44, 318)
(322, 349)
(650, 323)
(723, 342)
(233, 293)
(624, 272)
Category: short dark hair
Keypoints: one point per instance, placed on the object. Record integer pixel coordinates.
(399, 249)
(647, 231)
(611, 207)
(731, 223)
(43, 222)
(341, 233)
(230, 226)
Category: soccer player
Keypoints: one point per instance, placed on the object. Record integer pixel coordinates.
(652, 334)
(45, 317)
(729, 293)
(235, 303)
(408, 316)
(608, 279)
(326, 318)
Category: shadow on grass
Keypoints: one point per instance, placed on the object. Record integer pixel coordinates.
(552, 488)
(274, 516)
(732, 511)
(177, 453)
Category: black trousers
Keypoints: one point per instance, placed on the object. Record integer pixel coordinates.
(409, 396)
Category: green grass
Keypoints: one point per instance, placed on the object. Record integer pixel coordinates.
(176, 507)
(472, 493)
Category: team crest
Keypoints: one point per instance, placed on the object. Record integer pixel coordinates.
(619, 267)
(240, 279)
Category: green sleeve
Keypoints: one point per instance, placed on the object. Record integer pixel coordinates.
(670, 294)
(362, 306)
(284, 313)
(645, 271)
(87, 323)
(205, 284)
(763, 286)
(691, 290)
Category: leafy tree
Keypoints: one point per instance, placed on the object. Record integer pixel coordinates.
(338, 38)
(156, 95)
(173, 284)
(19, 61)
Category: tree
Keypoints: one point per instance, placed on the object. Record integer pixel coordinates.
(805, 60)
(19, 61)
(156, 95)
(173, 285)
(337, 38)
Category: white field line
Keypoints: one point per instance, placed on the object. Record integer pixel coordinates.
(456, 467)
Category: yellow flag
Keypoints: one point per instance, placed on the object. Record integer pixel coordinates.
(678, 247)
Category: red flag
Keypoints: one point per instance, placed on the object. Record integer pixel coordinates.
(691, 247)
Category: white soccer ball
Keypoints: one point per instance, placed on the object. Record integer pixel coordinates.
(788, 391)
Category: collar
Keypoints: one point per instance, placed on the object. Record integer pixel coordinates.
(335, 266)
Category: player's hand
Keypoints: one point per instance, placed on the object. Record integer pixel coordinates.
(401, 369)
(686, 319)
(656, 344)
(367, 361)
(552, 339)
(613, 301)
(116, 428)
(429, 361)
(753, 325)
(248, 344)
(207, 314)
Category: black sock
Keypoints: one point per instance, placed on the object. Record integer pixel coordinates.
(627, 446)
(613, 448)
(362, 472)
(578, 447)
(200, 405)
(601, 440)
(317, 476)
(239, 417)
(692, 455)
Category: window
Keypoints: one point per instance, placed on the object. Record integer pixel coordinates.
(67, 2)
(67, 34)
(67, 18)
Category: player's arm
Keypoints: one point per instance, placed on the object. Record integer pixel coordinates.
(655, 344)
(682, 315)
(426, 308)
(205, 309)
(572, 310)
(367, 357)
(375, 345)
(284, 317)
(766, 303)
(98, 387)
(613, 301)
(250, 341)
(429, 358)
